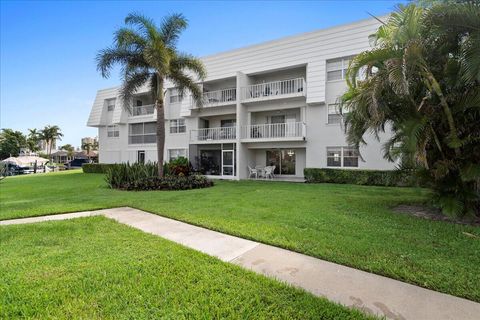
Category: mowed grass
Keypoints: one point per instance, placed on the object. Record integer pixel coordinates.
(94, 268)
(350, 225)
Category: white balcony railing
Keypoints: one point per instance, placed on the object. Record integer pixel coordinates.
(289, 130)
(219, 97)
(143, 110)
(295, 87)
(212, 134)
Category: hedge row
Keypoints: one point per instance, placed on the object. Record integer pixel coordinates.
(96, 167)
(361, 177)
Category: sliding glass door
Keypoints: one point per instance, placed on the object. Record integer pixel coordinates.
(284, 161)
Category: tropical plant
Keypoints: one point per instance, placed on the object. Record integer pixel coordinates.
(87, 146)
(50, 134)
(70, 150)
(144, 176)
(33, 139)
(421, 81)
(149, 56)
(11, 142)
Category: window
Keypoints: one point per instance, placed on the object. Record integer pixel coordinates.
(350, 157)
(175, 96)
(178, 126)
(334, 157)
(334, 115)
(110, 104)
(139, 133)
(228, 123)
(176, 153)
(337, 68)
(342, 157)
(141, 156)
(113, 131)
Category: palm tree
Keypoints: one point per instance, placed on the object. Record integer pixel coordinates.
(33, 139)
(70, 150)
(148, 55)
(422, 80)
(50, 134)
(87, 146)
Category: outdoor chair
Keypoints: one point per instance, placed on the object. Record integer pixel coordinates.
(252, 172)
(268, 171)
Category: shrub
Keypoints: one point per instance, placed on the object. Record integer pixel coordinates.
(360, 177)
(137, 176)
(96, 167)
(179, 166)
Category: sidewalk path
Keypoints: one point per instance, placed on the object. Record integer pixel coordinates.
(351, 287)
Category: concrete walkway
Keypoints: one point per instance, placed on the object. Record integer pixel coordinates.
(351, 287)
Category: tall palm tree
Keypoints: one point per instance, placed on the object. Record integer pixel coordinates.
(422, 80)
(32, 140)
(50, 134)
(148, 55)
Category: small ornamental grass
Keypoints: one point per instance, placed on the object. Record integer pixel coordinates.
(139, 176)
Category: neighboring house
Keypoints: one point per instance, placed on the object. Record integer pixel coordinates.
(269, 104)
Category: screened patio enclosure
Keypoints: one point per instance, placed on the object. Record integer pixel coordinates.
(215, 159)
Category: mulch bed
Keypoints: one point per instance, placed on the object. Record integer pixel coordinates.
(431, 214)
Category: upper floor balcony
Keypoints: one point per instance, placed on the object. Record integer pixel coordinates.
(207, 135)
(288, 131)
(218, 98)
(143, 110)
(274, 90)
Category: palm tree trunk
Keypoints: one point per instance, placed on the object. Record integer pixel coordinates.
(159, 107)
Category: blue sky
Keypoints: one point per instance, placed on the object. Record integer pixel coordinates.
(47, 49)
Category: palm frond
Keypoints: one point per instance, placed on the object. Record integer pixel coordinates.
(187, 62)
(146, 25)
(132, 81)
(171, 28)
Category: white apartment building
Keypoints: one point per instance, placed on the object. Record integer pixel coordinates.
(268, 104)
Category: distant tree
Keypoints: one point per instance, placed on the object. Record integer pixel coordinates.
(87, 146)
(70, 150)
(50, 134)
(148, 55)
(11, 142)
(33, 139)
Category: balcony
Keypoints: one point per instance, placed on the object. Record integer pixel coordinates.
(218, 98)
(143, 110)
(207, 135)
(290, 131)
(274, 90)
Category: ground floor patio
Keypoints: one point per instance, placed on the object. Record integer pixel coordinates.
(224, 161)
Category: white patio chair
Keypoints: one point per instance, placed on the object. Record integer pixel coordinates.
(268, 171)
(273, 171)
(252, 172)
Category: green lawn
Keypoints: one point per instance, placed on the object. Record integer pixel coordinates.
(347, 224)
(94, 268)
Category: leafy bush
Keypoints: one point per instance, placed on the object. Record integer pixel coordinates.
(179, 166)
(361, 177)
(138, 176)
(96, 167)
